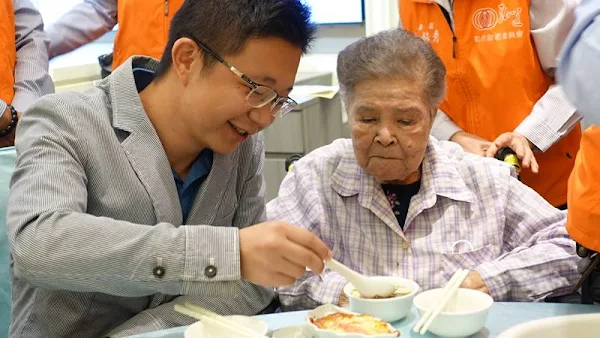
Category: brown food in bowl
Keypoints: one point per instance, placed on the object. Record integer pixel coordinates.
(398, 292)
(353, 323)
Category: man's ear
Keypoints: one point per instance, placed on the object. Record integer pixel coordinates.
(187, 59)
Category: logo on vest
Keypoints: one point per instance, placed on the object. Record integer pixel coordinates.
(488, 18)
(431, 34)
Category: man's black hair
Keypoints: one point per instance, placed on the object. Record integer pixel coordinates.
(225, 26)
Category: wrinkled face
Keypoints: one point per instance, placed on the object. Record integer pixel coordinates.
(390, 124)
(213, 109)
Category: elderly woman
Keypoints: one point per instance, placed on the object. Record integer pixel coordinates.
(394, 201)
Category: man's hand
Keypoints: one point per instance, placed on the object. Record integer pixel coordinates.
(520, 145)
(475, 282)
(471, 143)
(9, 139)
(277, 253)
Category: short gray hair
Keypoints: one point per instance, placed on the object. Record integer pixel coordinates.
(392, 54)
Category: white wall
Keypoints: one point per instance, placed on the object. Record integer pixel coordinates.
(379, 15)
(330, 40)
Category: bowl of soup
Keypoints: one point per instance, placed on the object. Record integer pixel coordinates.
(390, 309)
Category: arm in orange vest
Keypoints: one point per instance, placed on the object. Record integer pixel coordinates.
(32, 80)
(553, 116)
(84, 23)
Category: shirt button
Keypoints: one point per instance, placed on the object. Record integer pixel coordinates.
(158, 271)
(210, 271)
(405, 245)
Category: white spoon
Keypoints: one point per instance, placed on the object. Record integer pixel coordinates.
(368, 287)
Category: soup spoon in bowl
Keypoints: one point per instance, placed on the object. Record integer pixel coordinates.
(368, 287)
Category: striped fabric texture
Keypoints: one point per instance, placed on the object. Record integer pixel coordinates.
(470, 212)
(93, 209)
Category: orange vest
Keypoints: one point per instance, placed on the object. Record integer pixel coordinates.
(143, 28)
(583, 222)
(494, 77)
(8, 56)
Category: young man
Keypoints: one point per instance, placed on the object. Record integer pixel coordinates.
(148, 191)
(143, 26)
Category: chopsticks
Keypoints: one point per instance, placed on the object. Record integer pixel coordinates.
(205, 315)
(447, 292)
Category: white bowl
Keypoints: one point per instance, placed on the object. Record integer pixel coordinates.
(388, 309)
(327, 309)
(579, 326)
(464, 315)
(302, 331)
(210, 330)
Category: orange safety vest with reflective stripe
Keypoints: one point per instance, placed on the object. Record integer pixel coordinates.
(583, 221)
(494, 77)
(8, 56)
(143, 28)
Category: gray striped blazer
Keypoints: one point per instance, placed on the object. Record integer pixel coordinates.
(93, 210)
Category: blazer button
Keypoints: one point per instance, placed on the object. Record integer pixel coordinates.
(405, 245)
(210, 271)
(158, 271)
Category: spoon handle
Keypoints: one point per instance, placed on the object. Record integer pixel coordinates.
(343, 270)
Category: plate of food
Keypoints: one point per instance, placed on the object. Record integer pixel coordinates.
(330, 321)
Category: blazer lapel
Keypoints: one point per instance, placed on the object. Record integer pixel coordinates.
(143, 147)
(213, 189)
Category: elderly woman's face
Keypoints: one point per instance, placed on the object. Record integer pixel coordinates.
(390, 129)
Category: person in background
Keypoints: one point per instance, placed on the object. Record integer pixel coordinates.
(579, 74)
(143, 27)
(23, 79)
(501, 58)
(147, 190)
(394, 201)
(24, 65)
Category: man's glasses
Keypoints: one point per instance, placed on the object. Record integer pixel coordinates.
(260, 95)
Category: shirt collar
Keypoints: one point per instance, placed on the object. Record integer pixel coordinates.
(199, 169)
(439, 177)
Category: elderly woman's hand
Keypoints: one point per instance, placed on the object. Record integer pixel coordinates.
(343, 300)
(471, 143)
(520, 145)
(475, 282)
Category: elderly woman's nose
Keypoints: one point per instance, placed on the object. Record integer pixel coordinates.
(385, 137)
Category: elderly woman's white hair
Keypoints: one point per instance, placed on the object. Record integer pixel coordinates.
(393, 54)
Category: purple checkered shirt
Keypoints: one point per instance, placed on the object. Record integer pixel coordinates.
(471, 212)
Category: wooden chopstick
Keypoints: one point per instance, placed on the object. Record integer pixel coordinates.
(203, 314)
(447, 292)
